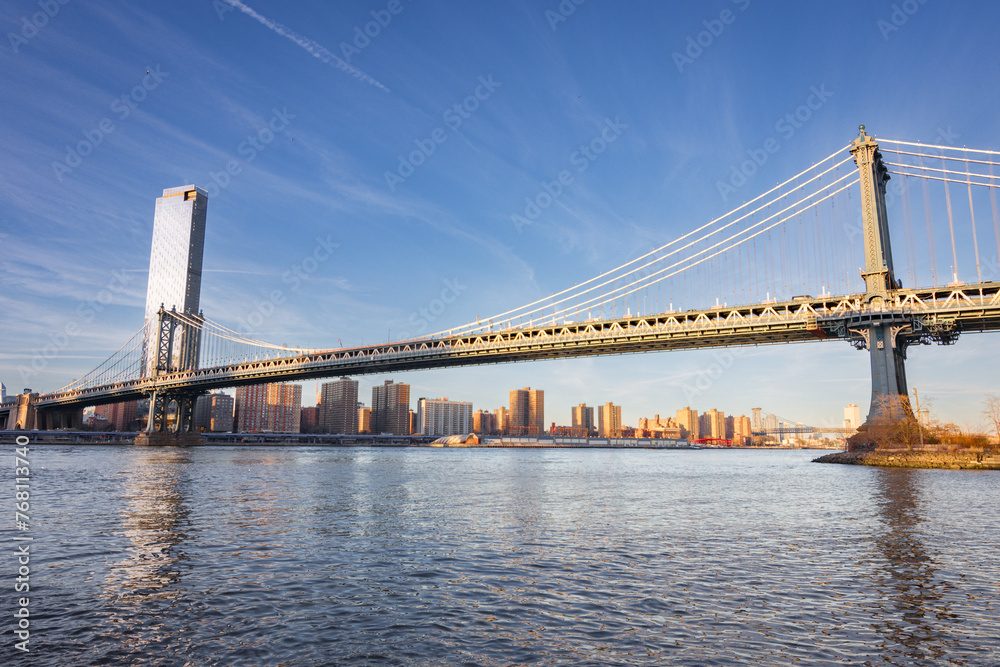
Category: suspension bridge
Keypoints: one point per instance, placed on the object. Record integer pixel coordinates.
(808, 260)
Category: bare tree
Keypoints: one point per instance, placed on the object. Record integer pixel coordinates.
(890, 424)
(992, 413)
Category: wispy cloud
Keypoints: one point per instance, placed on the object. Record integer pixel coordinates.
(313, 47)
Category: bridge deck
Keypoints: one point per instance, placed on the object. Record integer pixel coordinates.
(939, 313)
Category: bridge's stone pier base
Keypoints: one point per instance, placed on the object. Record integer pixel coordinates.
(169, 439)
(23, 416)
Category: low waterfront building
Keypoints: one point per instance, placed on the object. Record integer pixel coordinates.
(658, 428)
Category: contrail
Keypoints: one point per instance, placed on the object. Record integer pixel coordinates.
(315, 48)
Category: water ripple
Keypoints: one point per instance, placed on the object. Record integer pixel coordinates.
(315, 556)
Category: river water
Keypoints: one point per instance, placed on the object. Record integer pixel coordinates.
(382, 556)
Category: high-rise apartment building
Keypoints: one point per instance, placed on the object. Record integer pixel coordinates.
(175, 261)
(852, 416)
(527, 412)
(501, 420)
(609, 421)
(338, 407)
(716, 422)
(269, 408)
(687, 419)
(583, 418)
(742, 431)
(214, 413)
(484, 422)
(391, 408)
(440, 417)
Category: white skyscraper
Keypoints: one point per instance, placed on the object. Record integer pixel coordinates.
(178, 246)
(175, 264)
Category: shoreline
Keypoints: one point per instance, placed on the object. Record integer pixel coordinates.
(921, 459)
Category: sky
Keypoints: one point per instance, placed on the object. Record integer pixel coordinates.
(348, 193)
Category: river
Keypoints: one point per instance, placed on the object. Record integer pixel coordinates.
(402, 556)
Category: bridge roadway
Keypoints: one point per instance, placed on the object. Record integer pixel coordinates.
(923, 315)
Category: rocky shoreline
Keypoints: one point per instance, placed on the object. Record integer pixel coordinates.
(919, 459)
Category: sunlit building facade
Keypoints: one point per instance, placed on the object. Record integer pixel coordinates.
(175, 262)
(583, 418)
(391, 408)
(609, 421)
(440, 417)
(687, 419)
(484, 422)
(742, 431)
(269, 408)
(501, 420)
(852, 416)
(658, 428)
(364, 420)
(527, 412)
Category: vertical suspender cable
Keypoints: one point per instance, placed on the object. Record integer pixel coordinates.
(951, 227)
(972, 216)
(996, 221)
(817, 246)
(930, 225)
(911, 255)
(755, 292)
(849, 216)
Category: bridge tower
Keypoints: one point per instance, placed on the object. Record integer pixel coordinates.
(170, 333)
(882, 333)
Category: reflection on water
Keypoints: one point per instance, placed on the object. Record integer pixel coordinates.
(316, 556)
(914, 604)
(154, 517)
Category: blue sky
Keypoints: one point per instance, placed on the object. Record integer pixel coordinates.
(309, 114)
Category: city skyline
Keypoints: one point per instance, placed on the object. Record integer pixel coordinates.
(218, 412)
(301, 171)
